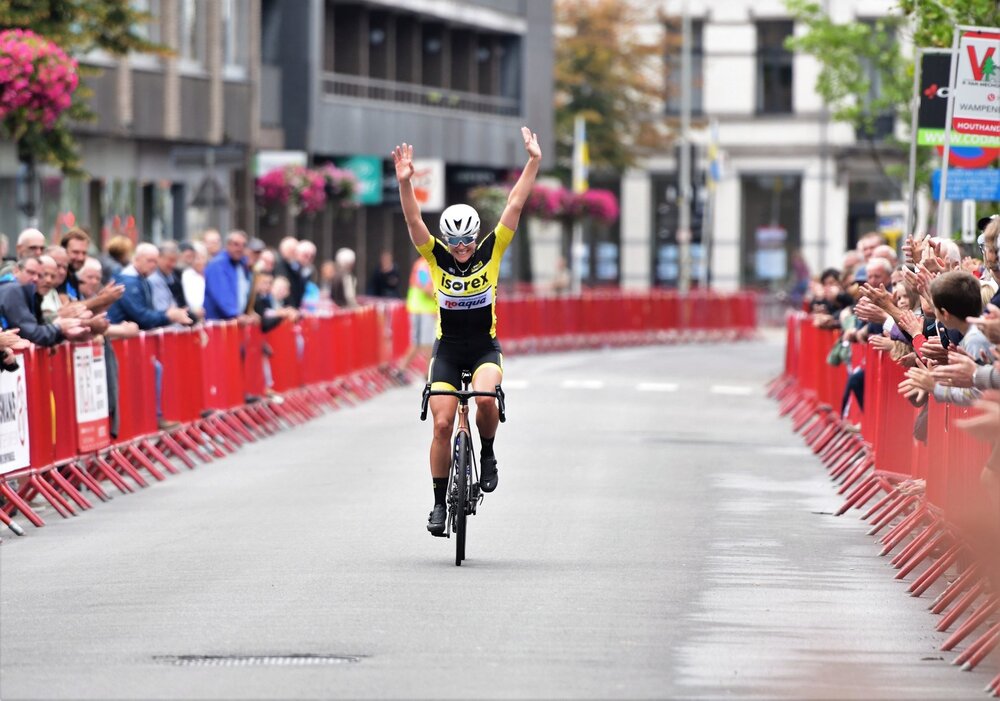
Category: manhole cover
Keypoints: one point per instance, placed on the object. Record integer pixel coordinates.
(253, 660)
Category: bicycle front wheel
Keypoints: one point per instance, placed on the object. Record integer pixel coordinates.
(462, 496)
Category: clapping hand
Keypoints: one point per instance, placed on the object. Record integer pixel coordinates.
(10, 340)
(880, 342)
(878, 296)
(910, 323)
(958, 372)
(933, 350)
(867, 311)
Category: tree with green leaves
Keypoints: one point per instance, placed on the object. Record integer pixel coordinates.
(77, 27)
(606, 71)
(864, 75)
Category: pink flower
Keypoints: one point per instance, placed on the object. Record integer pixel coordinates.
(37, 80)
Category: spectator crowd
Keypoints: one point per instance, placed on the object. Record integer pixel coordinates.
(66, 291)
(935, 311)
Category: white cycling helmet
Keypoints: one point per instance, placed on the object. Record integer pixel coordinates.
(459, 220)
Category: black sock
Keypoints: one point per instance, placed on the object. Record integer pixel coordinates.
(487, 451)
(440, 489)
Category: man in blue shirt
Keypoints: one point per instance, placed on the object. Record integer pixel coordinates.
(227, 280)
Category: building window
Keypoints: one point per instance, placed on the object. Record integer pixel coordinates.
(235, 17)
(774, 68)
(772, 215)
(191, 34)
(674, 73)
(149, 30)
(884, 120)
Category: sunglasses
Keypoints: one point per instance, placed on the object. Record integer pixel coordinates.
(468, 240)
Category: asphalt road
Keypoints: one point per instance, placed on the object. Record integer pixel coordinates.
(658, 532)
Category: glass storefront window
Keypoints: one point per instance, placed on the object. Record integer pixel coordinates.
(772, 215)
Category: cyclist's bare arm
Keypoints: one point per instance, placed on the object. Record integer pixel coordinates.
(522, 188)
(402, 157)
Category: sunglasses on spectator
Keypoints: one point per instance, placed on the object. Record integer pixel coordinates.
(468, 240)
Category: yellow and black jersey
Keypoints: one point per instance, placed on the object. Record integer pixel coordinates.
(467, 294)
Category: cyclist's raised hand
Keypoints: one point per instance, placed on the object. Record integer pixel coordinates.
(531, 143)
(402, 157)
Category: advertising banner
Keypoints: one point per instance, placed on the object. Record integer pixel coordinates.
(428, 183)
(368, 171)
(91, 384)
(976, 108)
(14, 442)
(980, 184)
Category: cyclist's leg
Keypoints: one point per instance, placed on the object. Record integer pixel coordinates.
(443, 373)
(488, 373)
(485, 378)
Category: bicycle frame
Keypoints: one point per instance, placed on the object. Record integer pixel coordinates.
(464, 494)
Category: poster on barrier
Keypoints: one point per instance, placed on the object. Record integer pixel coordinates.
(91, 385)
(14, 441)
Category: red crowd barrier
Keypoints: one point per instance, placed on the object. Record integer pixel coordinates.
(527, 323)
(930, 504)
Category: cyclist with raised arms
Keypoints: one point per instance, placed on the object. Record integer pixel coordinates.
(465, 270)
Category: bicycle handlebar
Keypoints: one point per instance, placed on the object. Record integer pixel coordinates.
(463, 398)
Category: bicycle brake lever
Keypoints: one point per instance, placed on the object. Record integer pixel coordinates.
(500, 405)
(423, 402)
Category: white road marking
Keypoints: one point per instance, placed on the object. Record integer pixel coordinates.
(731, 389)
(515, 384)
(582, 384)
(657, 387)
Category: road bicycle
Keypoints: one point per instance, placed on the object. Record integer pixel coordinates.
(464, 495)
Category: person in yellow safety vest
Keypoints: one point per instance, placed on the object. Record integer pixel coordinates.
(422, 308)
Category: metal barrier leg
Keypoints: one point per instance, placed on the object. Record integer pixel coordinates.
(15, 501)
(10, 523)
(83, 478)
(975, 653)
(217, 433)
(68, 489)
(960, 607)
(887, 516)
(185, 440)
(49, 493)
(952, 591)
(157, 454)
(174, 447)
(916, 544)
(892, 496)
(125, 466)
(849, 463)
(138, 456)
(110, 474)
(935, 571)
(230, 420)
(975, 620)
(896, 535)
(913, 562)
(857, 473)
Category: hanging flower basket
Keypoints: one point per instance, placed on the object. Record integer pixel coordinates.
(599, 206)
(341, 185)
(37, 80)
(306, 190)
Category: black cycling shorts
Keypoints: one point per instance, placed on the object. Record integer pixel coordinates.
(450, 358)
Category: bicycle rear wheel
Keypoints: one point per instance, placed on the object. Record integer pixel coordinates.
(462, 496)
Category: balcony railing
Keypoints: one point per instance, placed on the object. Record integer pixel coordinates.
(342, 85)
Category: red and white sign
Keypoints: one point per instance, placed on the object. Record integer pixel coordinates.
(91, 383)
(428, 183)
(976, 108)
(15, 450)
